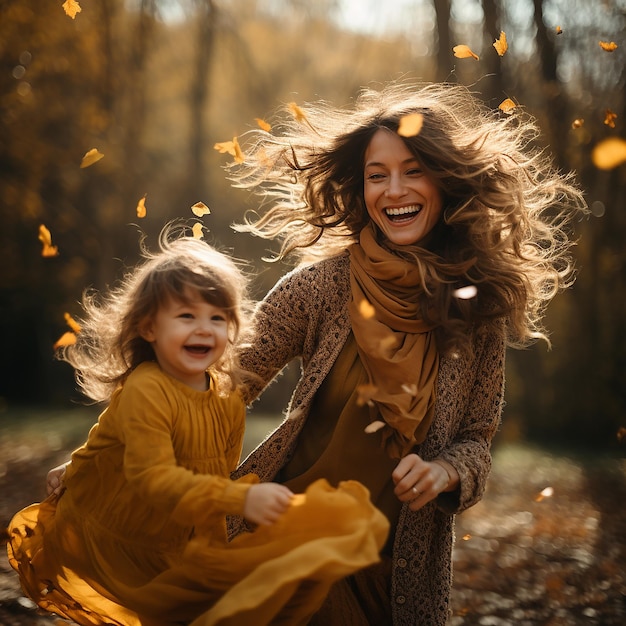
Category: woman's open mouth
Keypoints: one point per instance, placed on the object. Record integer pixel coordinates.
(402, 214)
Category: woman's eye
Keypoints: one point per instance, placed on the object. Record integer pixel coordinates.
(375, 176)
(416, 171)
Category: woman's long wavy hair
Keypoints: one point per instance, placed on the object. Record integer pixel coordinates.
(507, 210)
(109, 345)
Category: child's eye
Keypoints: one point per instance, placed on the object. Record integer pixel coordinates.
(187, 316)
(219, 317)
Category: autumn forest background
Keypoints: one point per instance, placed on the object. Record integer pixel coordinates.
(153, 85)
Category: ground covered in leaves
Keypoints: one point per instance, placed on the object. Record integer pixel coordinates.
(547, 545)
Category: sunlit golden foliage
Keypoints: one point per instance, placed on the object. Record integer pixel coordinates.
(609, 118)
(45, 237)
(91, 157)
(410, 125)
(464, 52)
(71, 8)
(609, 153)
(500, 44)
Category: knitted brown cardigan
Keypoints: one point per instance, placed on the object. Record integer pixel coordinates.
(305, 315)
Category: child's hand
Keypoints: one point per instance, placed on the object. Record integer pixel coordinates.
(54, 479)
(266, 502)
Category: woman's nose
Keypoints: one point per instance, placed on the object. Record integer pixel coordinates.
(396, 187)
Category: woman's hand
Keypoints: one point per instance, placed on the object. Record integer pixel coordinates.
(54, 479)
(418, 481)
(266, 502)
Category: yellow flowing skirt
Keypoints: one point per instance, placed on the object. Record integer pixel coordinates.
(279, 574)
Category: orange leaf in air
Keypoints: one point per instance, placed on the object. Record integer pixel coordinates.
(578, 123)
(263, 125)
(91, 157)
(71, 8)
(609, 153)
(365, 393)
(199, 209)
(507, 106)
(410, 125)
(609, 118)
(548, 492)
(71, 322)
(46, 239)
(297, 112)
(558, 30)
(500, 44)
(66, 339)
(463, 52)
(374, 427)
(621, 434)
(608, 46)
(232, 148)
(197, 230)
(141, 207)
(366, 309)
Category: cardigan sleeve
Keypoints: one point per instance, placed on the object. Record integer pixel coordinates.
(470, 450)
(282, 323)
(150, 466)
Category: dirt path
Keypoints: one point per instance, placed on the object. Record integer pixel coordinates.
(546, 546)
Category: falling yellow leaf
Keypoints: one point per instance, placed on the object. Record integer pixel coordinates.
(71, 322)
(366, 309)
(199, 209)
(558, 30)
(91, 157)
(197, 230)
(578, 123)
(467, 537)
(410, 388)
(410, 125)
(46, 239)
(141, 207)
(232, 148)
(609, 153)
(71, 8)
(621, 434)
(297, 112)
(66, 339)
(465, 293)
(609, 118)
(463, 52)
(507, 106)
(374, 427)
(263, 125)
(608, 46)
(365, 393)
(500, 44)
(548, 492)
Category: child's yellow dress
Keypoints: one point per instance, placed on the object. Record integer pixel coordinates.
(138, 536)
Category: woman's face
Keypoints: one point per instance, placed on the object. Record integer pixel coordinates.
(401, 200)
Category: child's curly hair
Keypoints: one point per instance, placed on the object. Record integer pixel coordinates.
(109, 345)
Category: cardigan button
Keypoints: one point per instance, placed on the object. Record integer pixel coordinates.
(401, 563)
(400, 600)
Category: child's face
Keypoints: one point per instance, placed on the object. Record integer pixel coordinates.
(188, 337)
(400, 199)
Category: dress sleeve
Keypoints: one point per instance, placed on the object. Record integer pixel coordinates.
(470, 450)
(146, 419)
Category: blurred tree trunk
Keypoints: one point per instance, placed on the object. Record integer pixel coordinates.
(495, 88)
(444, 47)
(205, 38)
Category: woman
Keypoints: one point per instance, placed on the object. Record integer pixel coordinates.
(424, 253)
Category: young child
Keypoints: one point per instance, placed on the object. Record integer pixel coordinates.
(136, 535)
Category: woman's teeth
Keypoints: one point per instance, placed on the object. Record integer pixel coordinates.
(403, 211)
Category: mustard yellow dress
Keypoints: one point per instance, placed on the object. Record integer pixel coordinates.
(138, 535)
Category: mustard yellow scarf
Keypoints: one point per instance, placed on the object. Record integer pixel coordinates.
(396, 347)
